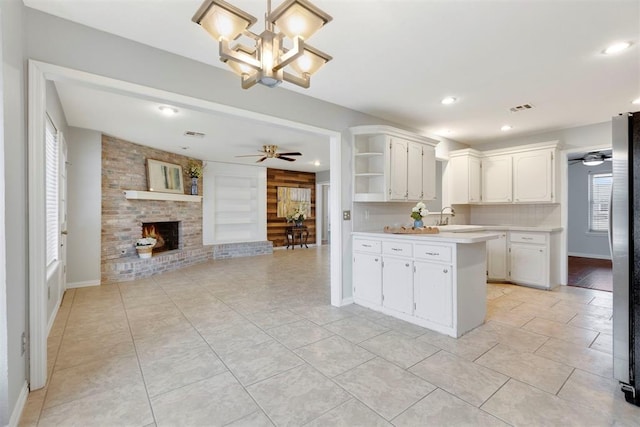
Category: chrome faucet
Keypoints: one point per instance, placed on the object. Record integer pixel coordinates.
(446, 220)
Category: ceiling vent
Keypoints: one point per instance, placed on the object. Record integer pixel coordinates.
(523, 107)
(194, 134)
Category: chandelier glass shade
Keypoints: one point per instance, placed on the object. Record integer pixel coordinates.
(280, 53)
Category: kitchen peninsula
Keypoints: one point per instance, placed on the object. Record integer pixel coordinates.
(437, 281)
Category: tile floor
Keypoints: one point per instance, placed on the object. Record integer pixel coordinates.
(254, 342)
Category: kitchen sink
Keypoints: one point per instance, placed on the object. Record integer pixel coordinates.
(455, 228)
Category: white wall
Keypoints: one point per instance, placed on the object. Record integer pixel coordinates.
(12, 361)
(323, 176)
(580, 241)
(84, 207)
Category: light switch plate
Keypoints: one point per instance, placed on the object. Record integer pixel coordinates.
(346, 215)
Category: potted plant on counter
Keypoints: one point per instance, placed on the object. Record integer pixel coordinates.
(418, 212)
(145, 246)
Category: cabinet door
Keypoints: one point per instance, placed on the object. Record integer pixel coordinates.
(398, 170)
(433, 292)
(414, 171)
(497, 258)
(458, 173)
(428, 173)
(475, 179)
(367, 278)
(397, 284)
(496, 179)
(529, 264)
(533, 176)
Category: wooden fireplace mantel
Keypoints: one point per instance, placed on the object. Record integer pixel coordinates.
(154, 195)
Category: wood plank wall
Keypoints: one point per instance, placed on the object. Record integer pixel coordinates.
(282, 178)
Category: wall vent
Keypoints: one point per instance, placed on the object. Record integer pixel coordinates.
(522, 107)
(194, 134)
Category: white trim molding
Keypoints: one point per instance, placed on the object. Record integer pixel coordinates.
(84, 284)
(592, 256)
(14, 421)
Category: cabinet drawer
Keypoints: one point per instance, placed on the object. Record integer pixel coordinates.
(433, 253)
(365, 245)
(397, 248)
(537, 238)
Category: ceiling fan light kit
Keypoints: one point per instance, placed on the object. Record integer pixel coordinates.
(271, 152)
(293, 22)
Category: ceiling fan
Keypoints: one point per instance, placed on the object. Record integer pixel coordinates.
(271, 152)
(593, 158)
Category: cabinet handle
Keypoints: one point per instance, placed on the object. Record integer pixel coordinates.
(396, 249)
(445, 271)
(527, 238)
(365, 245)
(376, 260)
(407, 265)
(432, 253)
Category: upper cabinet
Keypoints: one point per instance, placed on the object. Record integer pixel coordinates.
(464, 176)
(392, 165)
(524, 174)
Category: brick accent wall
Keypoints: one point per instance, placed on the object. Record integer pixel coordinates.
(282, 178)
(124, 168)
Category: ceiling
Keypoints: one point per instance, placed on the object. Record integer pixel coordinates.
(490, 55)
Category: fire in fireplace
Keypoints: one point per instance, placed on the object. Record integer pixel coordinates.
(166, 233)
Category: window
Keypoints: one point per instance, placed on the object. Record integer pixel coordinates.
(599, 193)
(51, 191)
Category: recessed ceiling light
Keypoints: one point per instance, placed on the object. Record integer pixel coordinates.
(636, 101)
(506, 128)
(616, 48)
(448, 100)
(316, 163)
(168, 111)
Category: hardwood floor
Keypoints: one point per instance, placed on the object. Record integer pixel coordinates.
(590, 273)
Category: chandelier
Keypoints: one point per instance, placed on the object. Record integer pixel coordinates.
(279, 54)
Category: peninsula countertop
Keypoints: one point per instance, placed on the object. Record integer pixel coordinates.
(443, 237)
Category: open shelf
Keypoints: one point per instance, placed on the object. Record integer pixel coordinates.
(154, 195)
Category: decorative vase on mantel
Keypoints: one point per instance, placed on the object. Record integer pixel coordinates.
(298, 222)
(194, 186)
(418, 223)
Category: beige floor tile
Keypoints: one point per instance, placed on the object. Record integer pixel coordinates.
(399, 349)
(152, 312)
(443, 409)
(516, 338)
(298, 334)
(356, 329)
(334, 355)
(167, 344)
(96, 327)
(592, 310)
(469, 346)
(523, 405)
(139, 301)
(255, 419)
(32, 409)
(126, 405)
(602, 302)
(401, 326)
(215, 401)
(512, 318)
(587, 359)
(172, 324)
(466, 380)
(529, 368)
(352, 413)
(603, 343)
(76, 350)
(384, 387)
(261, 361)
(179, 369)
(273, 318)
(297, 396)
(585, 387)
(556, 313)
(236, 338)
(75, 383)
(321, 314)
(572, 334)
(593, 323)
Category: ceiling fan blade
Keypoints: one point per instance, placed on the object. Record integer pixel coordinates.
(262, 159)
(251, 155)
(287, 159)
(293, 153)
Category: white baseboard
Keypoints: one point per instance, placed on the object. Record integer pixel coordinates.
(52, 319)
(83, 284)
(20, 404)
(594, 256)
(346, 301)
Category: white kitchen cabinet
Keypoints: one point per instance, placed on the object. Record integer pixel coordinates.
(397, 284)
(497, 258)
(534, 176)
(464, 175)
(529, 260)
(389, 165)
(367, 279)
(497, 179)
(433, 292)
(414, 171)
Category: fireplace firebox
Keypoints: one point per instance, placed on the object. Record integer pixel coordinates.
(166, 233)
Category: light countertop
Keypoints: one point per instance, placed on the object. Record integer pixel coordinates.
(442, 237)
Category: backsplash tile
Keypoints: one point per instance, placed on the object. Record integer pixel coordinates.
(523, 215)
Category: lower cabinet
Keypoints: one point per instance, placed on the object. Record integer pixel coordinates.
(367, 278)
(529, 264)
(397, 284)
(497, 258)
(433, 292)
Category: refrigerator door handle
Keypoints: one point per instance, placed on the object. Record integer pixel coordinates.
(610, 230)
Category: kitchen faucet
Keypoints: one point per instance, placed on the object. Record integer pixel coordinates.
(446, 220)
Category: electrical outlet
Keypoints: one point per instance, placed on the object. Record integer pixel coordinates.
(346, 215)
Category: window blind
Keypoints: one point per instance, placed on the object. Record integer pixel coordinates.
(51, 190)
(599, 193)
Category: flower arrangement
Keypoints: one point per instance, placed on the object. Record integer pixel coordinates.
(194, 170)
(146, 241)
(419, 211)
(297, 214)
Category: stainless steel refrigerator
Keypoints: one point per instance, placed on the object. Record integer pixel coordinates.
(624, 232)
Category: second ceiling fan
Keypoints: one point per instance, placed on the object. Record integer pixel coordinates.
(271, 152)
